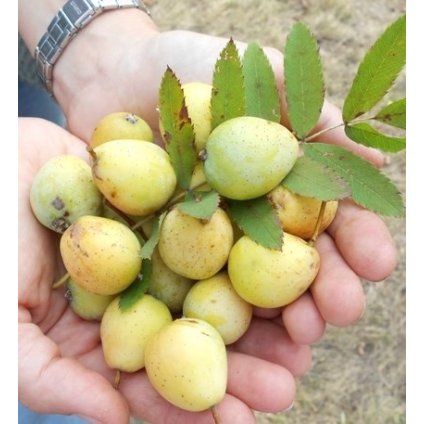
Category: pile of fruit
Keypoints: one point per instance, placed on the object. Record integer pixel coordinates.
(171, 247)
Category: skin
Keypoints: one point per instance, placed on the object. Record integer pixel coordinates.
(356, 245)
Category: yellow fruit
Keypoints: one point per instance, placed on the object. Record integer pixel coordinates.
(120, 125)
(134, 176)
(214, 300)
(125, 334)
(298, 214)
(195, 248)
(248, 156)
(272, 278)
(101, 255)
(186, 363)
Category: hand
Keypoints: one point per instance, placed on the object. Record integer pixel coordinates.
(61, 364)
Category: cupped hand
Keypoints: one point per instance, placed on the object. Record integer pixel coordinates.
(61, 365)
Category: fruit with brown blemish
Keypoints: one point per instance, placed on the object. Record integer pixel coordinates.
(62, 191)
(101, 255)
(134, 176)
(272, 278)
(186, 362)
(195, 248)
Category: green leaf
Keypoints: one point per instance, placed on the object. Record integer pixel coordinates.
(228, 86)
(377, 72)
(304, 84)
(393, 114)
(313, 179)
(369, 187)
(258, 220)
(261, 92)
(177, 129)
(138, 288)
(364, 133)
(151, 243)
(200, 204)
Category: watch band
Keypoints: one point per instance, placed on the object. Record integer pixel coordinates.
(71, 18)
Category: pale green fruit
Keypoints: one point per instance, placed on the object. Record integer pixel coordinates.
(166, 285)
(62, 191)
(87, 305)
(101, 255)
(299, 214)
(120, 125)
(125, 334)
(248, 156)
(214, 300)
(134, 176)
(186, 363)
(195, 248)
(197, 99)
(272, 278)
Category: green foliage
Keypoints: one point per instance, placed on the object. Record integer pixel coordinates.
(261, 92)
(200, 204)
(393, 114)
(377, 72)
(148, 248)
(258, 220)
(138, 288)
(178, 132)
(313, 179)
(364, 133)
(228, 99)
(370, 188)
(304, 85)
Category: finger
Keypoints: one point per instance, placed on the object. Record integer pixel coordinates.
(303, 321)
(268, 313)
(364, 241)
(262, 385)
(51, 384)
(337, 290)
(269, 341)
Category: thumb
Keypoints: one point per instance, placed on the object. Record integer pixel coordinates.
(49, 383)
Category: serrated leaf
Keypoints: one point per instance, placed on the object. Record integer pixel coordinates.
(151, 243)
(228, 99)
(261, 92)
(377, 72)
(393, 114)
(304, 84)
(369, 187)
(200, 204)
(138, 288)
(258, 220)
(312, 179)
(365, 134)
(177, 129)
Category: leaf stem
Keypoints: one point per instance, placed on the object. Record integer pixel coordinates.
(62, 280)
(324, 131)
(313, 239)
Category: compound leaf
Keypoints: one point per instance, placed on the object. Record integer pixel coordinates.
(369, 187)
(313, 179)
(304, 84)
(393, 114)
(377, 72)
(364, 133)
(228, 99)
(261, 92)
(138, 288)
(177, 129)
(258, 220)
(200, 204)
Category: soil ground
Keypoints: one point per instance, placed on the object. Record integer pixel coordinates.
(358, 374)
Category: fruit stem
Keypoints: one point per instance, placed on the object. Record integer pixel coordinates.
(324, 131)
(313, 239)
(116, 381)
(215, 414)
(92, 153)
(62, 280)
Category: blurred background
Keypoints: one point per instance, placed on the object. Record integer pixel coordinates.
(358, 374)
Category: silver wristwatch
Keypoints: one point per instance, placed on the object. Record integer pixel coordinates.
(72, 17)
